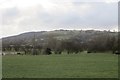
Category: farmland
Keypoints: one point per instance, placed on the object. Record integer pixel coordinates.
(81, 65)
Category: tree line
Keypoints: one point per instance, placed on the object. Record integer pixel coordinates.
(90, 41)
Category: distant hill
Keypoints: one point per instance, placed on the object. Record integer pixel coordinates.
(60, 40)
(27, 38)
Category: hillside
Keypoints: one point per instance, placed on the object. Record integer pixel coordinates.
(53, 39)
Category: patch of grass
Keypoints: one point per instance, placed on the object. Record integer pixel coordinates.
(61, 66)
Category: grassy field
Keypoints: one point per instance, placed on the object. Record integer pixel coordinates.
(61, 66)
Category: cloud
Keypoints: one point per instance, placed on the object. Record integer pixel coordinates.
(28, 15)
(9, 16)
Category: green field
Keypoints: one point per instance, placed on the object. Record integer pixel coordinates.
(61, 66)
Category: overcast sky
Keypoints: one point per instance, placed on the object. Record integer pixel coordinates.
(19, 16)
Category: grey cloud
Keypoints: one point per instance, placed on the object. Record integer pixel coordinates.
(103, 14)
(9, 15)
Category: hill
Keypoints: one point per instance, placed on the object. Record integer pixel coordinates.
(101, 40)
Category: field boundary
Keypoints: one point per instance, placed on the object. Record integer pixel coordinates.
(60, 79)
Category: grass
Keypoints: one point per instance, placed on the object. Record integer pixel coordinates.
(61, 66)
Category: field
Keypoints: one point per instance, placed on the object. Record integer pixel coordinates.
(61, 66)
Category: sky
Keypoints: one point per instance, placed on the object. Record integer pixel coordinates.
(19, 16)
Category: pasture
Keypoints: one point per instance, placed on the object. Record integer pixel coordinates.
(61, 66)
